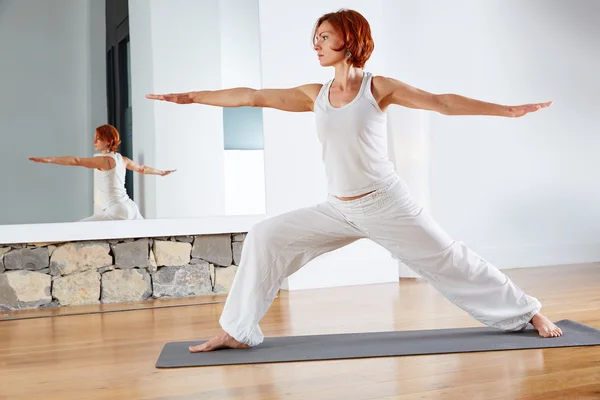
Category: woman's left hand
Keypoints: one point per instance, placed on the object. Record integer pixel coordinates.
(165, 173)
(519, 111)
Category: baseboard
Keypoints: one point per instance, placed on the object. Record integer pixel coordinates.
(531, 256)
(542, 255)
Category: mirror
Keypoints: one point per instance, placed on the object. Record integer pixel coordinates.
(74, 65)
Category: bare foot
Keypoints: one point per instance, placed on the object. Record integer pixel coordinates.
(222, 341)
(545, 327)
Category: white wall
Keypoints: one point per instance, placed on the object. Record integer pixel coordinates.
(53, 96)
(240, 43)
(521, 192)
(177, 49)
(294, 169)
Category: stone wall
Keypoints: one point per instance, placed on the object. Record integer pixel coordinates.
(112, 271)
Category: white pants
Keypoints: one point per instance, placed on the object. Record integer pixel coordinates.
(120, 211)
(278, 247)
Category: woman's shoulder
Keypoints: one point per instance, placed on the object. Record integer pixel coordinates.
(312, 89)
(115, 156)
(382, 86)
(381, 81)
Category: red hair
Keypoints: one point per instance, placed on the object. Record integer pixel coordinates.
(356, 34)
(109, 134)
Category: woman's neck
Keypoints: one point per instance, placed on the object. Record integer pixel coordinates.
(345, 75)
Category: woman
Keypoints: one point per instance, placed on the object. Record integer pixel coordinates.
(367, 199)
(109, 173)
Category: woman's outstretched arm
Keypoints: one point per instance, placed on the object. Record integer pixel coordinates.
(101, 162)
(298, 99)
(143, 169)
(392, 91)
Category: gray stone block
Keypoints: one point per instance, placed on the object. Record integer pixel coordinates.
(24, 289)
(152, 266)
(237, 252)
(3, 251)
(171, 254)
(122, 285)
(77, 289)
(77, 257)
(188, 280)
(239, 237)
(223, 279)
(132, 254)
(33, 259)
(215, 249)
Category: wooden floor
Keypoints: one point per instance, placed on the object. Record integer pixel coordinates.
(50, 354)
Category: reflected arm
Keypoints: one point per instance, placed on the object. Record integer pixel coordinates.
(143, 169)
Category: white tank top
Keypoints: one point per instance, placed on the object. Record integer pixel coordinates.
(110, 185)
(354, 140)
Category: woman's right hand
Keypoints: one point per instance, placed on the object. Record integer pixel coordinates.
(179, 98)
(44, 160)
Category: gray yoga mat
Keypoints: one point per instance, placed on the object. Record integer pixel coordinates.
(378, 344)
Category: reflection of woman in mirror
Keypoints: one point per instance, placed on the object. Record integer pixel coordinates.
(367, 199)
(109, 172)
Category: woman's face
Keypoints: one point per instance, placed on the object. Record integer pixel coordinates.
(99, 144)
(325, 41)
